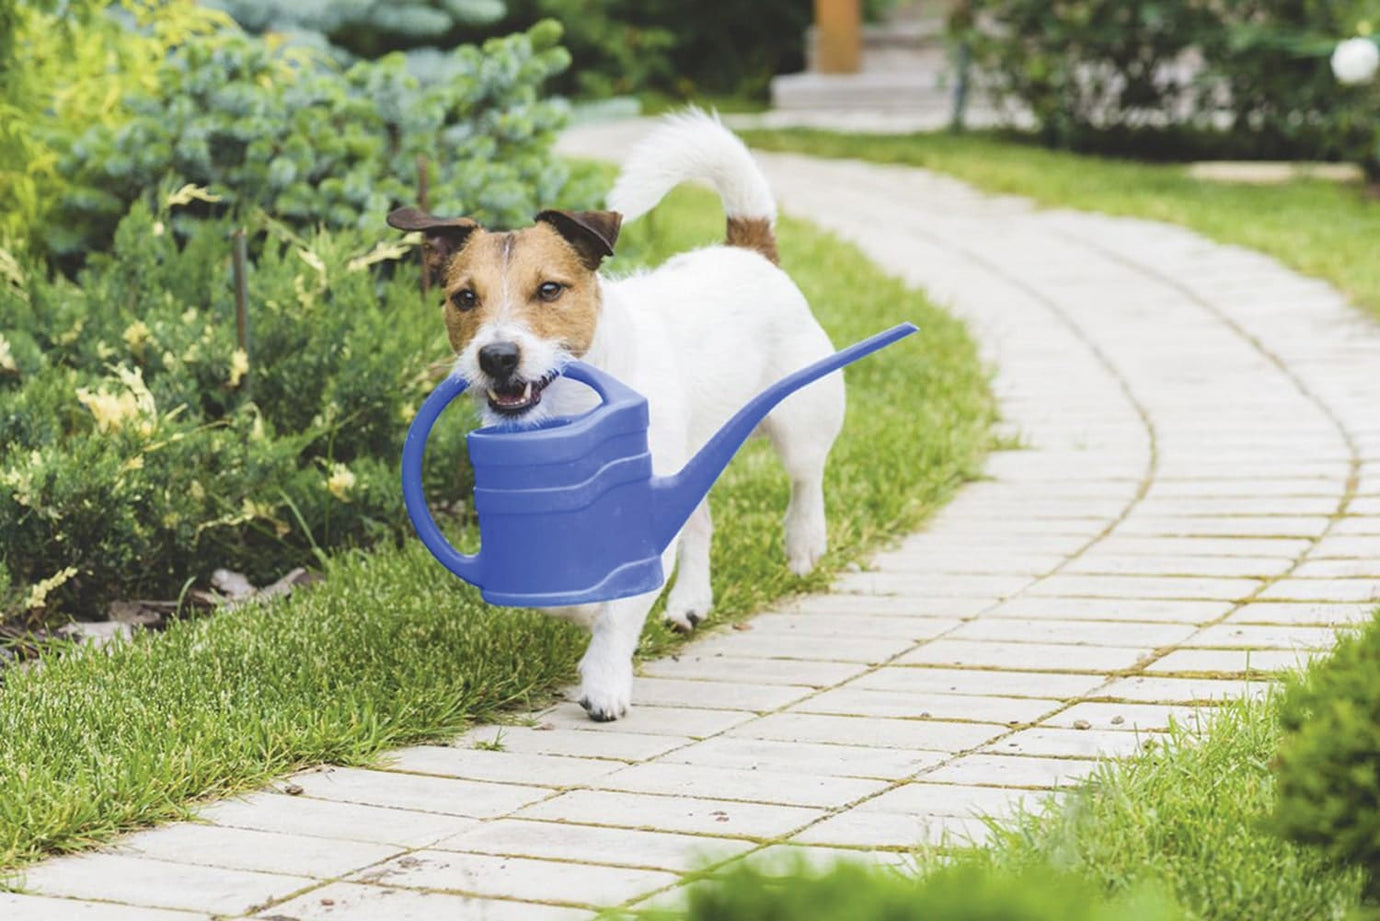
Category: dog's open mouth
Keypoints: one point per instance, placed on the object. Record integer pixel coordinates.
(515, 397)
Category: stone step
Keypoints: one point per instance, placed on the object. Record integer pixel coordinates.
(879, 90)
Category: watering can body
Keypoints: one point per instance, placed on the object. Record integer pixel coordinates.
(570, 511)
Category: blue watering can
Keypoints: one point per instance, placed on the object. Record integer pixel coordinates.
(569, 511)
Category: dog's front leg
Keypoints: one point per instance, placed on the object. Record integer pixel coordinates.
(606, 671)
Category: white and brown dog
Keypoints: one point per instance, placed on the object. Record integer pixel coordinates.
(698, 336)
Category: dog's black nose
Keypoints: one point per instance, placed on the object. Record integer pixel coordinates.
(499, 359)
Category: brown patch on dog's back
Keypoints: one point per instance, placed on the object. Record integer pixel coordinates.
(506, 272)
(753, 233)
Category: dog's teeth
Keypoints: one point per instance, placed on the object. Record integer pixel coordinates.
(493, 395)
(527, 392)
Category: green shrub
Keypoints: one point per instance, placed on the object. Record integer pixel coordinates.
(616, 46)
(139, 447)
(270, 127)
(77, 62)
(850, 892)
(1329, 759)
(1179, 79)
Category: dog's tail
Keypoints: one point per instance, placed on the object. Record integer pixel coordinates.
(694, 145)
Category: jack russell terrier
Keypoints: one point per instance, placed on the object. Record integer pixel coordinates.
(698, 336)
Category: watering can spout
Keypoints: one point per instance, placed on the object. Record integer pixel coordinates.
(675, 497)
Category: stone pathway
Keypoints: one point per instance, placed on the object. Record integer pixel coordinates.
(1199, 495)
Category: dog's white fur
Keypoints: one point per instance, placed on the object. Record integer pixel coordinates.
(698, 336)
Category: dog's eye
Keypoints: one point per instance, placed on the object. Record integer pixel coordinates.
(464, 299)
(550, 290)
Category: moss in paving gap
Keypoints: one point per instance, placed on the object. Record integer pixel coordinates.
(392, 650)
(1324, 229)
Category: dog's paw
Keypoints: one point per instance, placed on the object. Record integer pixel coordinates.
(606, 690)
(605, 706)
(806, 542)
(685, 613)
(683, 621)
(803, 560)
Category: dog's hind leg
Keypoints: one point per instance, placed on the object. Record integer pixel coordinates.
(692, 596)
(803, 430)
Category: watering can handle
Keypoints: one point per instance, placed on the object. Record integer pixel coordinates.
(414, 497)
(611, 390)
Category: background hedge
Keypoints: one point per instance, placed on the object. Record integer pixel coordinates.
(1181, 79)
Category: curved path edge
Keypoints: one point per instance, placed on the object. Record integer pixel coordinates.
(1196, 504)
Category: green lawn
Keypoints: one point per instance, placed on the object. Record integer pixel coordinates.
(1324, 229)
(391, 650)
(1189, 819)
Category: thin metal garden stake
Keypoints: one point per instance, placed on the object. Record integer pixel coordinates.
(425, 205)
(238, 260)
(961, 86)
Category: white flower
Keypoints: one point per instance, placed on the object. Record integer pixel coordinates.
(239, 367)
(1355, 61)
(340, 482)
(38, 592)
(136, 334)
(113, 409)
(6, 356)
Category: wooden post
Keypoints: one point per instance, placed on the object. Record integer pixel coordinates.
(838, 32)
(423, 200)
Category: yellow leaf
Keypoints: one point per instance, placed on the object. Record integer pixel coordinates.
(382, 252)
(189, 193)
(313, 260)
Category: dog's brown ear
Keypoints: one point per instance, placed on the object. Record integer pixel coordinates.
(592, 233)
(444, 237)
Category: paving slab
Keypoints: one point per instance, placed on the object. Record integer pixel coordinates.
(625, 847)
(300, 815)
(249, 849)
(896, 830)
(486, 875)
(832, 758)
(422, 793)
(16, 906)
(711, 817)
(355, 902)
(149, 883)
(977, 682)
(1198, 493)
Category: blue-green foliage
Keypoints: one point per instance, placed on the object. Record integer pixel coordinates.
(276, 128)
(849, 892)
(363, 27)
(1329, 760)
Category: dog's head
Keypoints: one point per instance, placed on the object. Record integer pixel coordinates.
(518, 304)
